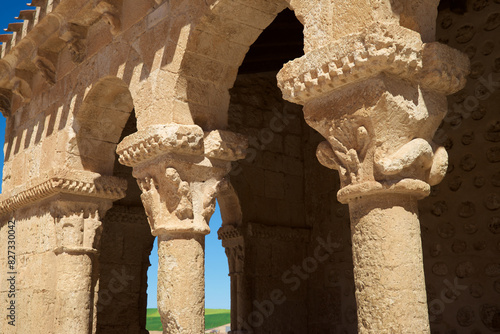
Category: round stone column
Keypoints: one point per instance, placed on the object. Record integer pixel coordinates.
(179, 169)
(74, 298)
(78, 230)
(181, 283)
(388, 267)
(377, 97)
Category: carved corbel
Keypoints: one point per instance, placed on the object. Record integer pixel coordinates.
(17, 83)
(110, 11)
(5, 101)
(75, 37)
(46, 63)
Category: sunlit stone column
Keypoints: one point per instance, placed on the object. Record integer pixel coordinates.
(378, 97)
(77, 211)
(179, 169)
(78, 228)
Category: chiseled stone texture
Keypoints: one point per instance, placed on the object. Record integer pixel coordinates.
(282, 185)
(123, 264)
(37, 278)
(78, 76)
(460, 220)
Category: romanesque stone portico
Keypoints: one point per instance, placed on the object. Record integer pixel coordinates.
(117, 108)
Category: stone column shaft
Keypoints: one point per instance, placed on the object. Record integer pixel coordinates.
(78, 232)
(233, 242)
(181, 283)
(179, 169)
(388, 267)
(74, 294)
(378, 97)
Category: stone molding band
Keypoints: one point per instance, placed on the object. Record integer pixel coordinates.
(261, 231)
(413, 187)
(75, 250)
(388, 49)
(157, 140)
(105, 187)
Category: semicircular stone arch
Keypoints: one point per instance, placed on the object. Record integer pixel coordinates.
(214, 51)
(203, 48)
(98, 125)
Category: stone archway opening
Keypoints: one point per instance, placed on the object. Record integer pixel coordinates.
(217, 281)
(126, 245)
(271, 212)
(98, 126)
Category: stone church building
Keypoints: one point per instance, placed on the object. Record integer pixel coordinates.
(353, 148)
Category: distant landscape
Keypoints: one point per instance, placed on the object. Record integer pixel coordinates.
(213, 318)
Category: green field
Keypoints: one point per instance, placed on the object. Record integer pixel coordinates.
(213, 318)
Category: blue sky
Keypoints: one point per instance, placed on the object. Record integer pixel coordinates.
(217, 283)
(216, 276)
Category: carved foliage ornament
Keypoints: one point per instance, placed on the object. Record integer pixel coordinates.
(378, 97)
(175, 203)
(384, 142)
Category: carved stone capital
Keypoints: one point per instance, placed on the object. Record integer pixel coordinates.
(179, 169)
(234, 244)
(78, 224)
(378, 97)
(379, 137)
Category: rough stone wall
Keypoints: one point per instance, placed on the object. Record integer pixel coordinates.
(281, 183)
(270, 180)
(461, 219)
(123, 265)
(331, 301)
(270, 186)
(37, 273)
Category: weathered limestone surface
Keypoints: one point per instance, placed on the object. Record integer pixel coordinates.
(179, 169)
(378, 116)
(150, 80)
(460, 234)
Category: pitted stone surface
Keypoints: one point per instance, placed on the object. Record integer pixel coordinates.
(78, 77)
